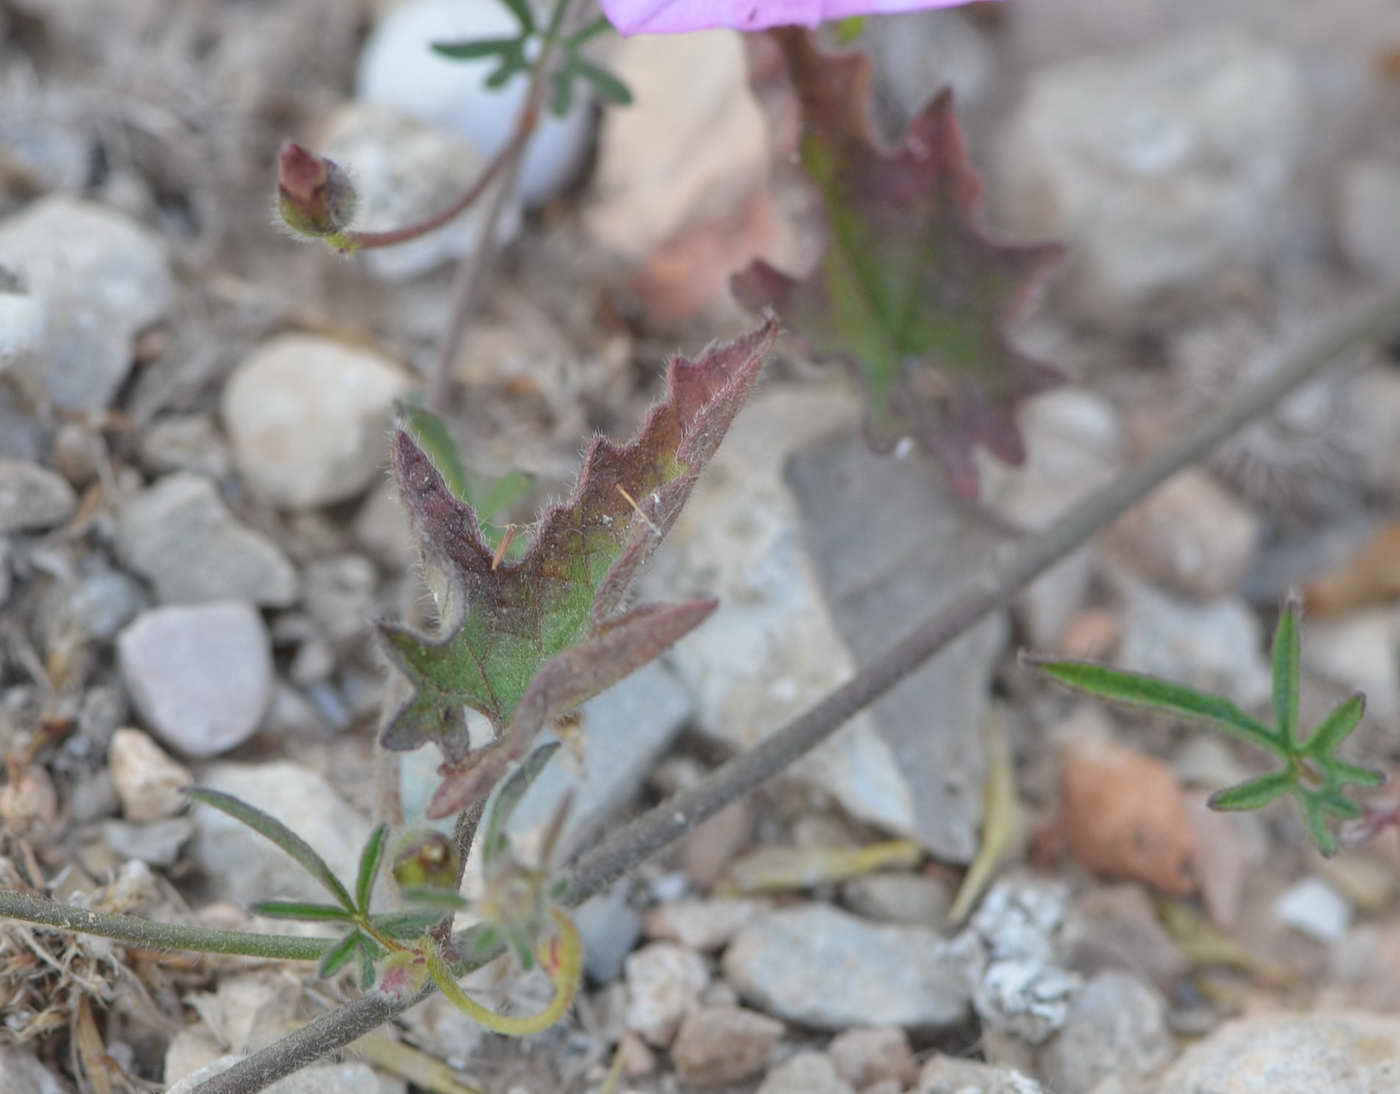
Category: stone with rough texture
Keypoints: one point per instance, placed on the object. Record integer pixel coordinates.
(873, 1054)
(1337, 1052)
(1159, 168)
(241, 866)
(947, 1075)
(817, 966)
(1189, 534)
(341, 1078)
(664, 982)
(200, 674)
(307, 418)
(1116, 1025)
(404, 172)
(33, 498)
(806, 1073)
(101, 278)
(610, 927)
(189, 442)
(1368, 227)
(702, 924)
(149, 784)
(180, 536)
(340, 596)
(1116, 927)
(22, 320)
(889, 546)
(717, 1046)
(157, 843)
(900, 898)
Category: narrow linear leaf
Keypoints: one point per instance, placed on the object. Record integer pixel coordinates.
(482, 940)
(512, 789)
(1140, 690)
(273, 829)
(406, 925)
(1336, 727)
(473, 50)
(289, 909)
(1254, 794)
(604, 82)
(1339, 805)
(430, 896)
(592, 30)
(523, 15)
(563, 98)
(502, 76)
(366, 952)
(337, 956)
(1316, 823)
(370, 859)
(1287, 672)
(1342, 772)
(521, 945)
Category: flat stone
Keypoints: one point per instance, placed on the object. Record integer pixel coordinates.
(949, 1075)
(806, 1073)
(200, 674)
(664, 982)
(717, 1046)
(307, 418)
(186, 442)
(610, 927)
(1116, 1025)
(33, 498)
(702, 924)
(180, 536)
(241, 866)
(873, 1054)
(1116, 927)
(157, 843)
(900, 898)
(817, 966)
(101, 278)
(1335, 1051)
(889, 548)
(1160, 167)
(149, 784)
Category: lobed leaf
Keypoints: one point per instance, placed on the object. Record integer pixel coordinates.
(370, 859)
(1287, 672)
(512, 618)
(1254, 794)
(911, 292)
(291, 909)
(1152, 693)
(271, 828)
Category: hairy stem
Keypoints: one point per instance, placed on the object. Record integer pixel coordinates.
(151, 935)
(471, 273)
(1376, 319)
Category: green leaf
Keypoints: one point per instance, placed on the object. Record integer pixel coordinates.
(370, 858)
(273, 829)
(512, 789)
(1287, 672)
(406, 925)
(482, 940)
(1254, 794)
(1316, 822)
(1336, 727)
(1340, 772)
(430, 896)
(290, 909)
(480, 47)
(592, 30)
(1140, 690)
(564, 595)
(521, 945)
(604, 82)
(337, 956)
(523, 15)
(563, 97)
(503, 75)
(367, 953)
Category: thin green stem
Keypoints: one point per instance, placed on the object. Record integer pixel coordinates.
(150, 935)
(1377, 319)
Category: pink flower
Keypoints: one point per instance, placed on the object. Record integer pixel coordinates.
(674, 16)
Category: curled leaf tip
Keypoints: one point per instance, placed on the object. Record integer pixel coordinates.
(314, 194)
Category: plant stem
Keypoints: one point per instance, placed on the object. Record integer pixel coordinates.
(664, 823)
(471, 273)
(150, 935)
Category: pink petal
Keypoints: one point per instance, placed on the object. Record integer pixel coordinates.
(676, 16)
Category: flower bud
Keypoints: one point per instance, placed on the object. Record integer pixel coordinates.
(314, 195)
(426, 857)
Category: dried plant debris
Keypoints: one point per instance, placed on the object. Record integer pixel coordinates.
(911, 291)
(525, 641)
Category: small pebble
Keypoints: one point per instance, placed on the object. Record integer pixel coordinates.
(1316, 908)
(149, 784)
(806, 1073)
(664, 982)
(865, 1056)
(718, 1046)
(33, 498)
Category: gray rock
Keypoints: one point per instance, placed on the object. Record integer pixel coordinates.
(1116, 927)
(890, 548)
(340, 595)
(818, 966)
(100, 277)
(1160, 168)
(22, 322)
(179, 535)
(189, 442)
(98, 605)
(900, 898)
(240, 865)
(1315, 907)
(406, 171)
(610, 927)
(157, 843)
(1117, 1025)
(381, 526)
(33, 498)
(307, 418)
(806, 1073)
(24, 1074)
(1339, 1052)
(664, 984)
(702, 924)
(772, 650)
(340, 1078)
(1368, 228)
(947, 1075)
(873, 1054)
(718, 1046)
(200, 674)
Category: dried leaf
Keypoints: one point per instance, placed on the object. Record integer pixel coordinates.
(911, 291)
(523, 640)
(775, 869)
(1003, 824)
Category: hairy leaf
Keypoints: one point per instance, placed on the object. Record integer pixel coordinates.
(1286, 671)
(337, 956)
(370, 858)
(274, 830)
(911, 291)
(508, 796)
(406, 925)
(506, 622)
(295, 909)
(1254, 794)
(1328, 735)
